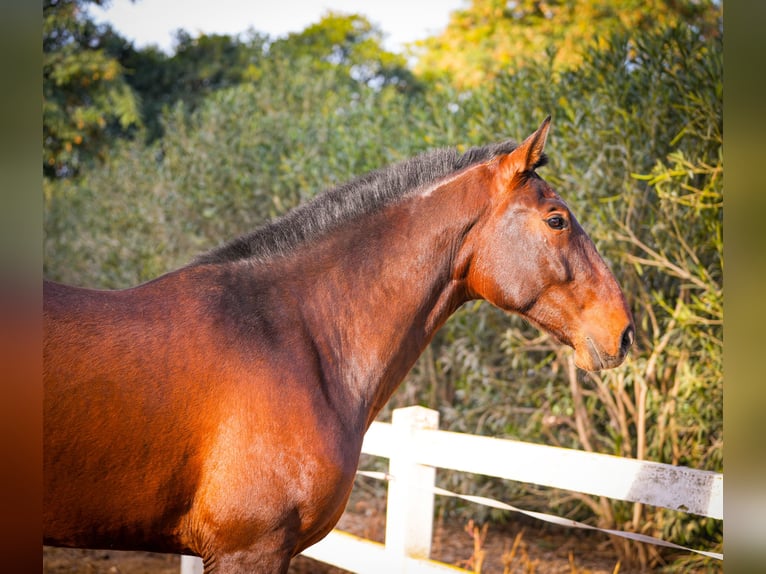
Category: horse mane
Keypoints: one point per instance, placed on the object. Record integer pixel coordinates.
(360, 196)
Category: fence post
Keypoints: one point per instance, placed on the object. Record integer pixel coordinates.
(191, 565)
(410, 505)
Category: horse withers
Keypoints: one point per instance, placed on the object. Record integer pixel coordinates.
(219, 410)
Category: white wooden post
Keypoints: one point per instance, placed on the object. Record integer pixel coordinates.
(410, 505)
(191, 565)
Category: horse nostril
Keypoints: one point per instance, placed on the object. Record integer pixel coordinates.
(627, 339)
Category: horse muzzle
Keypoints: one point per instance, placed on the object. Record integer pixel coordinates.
(591, 356)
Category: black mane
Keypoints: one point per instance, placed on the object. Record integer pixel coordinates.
(362, 195)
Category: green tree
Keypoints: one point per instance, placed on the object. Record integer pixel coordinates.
(86, 100)
(198, 67)
(495, 36)
(351, 43)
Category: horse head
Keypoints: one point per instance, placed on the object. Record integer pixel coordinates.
(530, 256)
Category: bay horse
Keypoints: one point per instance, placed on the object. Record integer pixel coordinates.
(219, 410)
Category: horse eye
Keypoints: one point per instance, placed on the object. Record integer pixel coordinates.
(556, 222)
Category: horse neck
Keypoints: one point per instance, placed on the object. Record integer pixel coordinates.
(375, 292)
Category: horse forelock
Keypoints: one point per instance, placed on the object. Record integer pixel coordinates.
(360, 196)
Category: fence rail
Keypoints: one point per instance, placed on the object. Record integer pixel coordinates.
(415, 448)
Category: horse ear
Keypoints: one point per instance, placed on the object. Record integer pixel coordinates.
(530, 154)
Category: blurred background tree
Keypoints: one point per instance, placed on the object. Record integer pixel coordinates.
(491, 37)
(198, 67)
(350, 43)
(240, 130)
(87, 101)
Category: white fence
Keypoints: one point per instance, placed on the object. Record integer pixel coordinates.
(415, 448)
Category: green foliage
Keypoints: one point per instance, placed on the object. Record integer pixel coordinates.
(492, 37)
(198, 67)
(349, 43)
(86, 100)
(636, 152)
